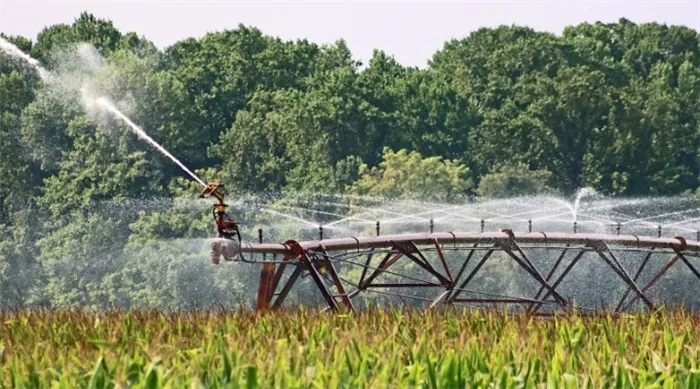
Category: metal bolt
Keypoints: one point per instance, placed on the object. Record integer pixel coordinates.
(320, 232)
(529, 225)
(482, 225)
(432, 226)
(378, 228)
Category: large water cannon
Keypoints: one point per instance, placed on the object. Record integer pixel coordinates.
(229, 235)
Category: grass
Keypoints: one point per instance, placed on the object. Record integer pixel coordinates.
(376, 349)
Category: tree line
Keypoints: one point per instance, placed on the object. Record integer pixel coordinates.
(503, 111)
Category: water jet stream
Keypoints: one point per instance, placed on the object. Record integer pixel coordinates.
(13, 50)
(106, 104)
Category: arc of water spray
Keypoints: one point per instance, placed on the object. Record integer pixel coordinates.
(291, 217)
(683, 222)
(403, 216)
(396, 219)
(661, 215)
(465, 217)
(343, 217)
(102, 101)
(15, 51)
(371, 209)
(524, 213)
(106, 104)
(497, 214)
(567, 213)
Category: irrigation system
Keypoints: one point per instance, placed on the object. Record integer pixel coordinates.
(439, 269)
(447, 268)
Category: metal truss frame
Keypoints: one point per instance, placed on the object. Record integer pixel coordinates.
(329, 264)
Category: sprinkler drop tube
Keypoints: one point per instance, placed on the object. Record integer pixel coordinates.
(260, 240)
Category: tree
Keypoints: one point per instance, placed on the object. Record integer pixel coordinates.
(406, 175)
(222, 71)
(513, 181)
(86, 28)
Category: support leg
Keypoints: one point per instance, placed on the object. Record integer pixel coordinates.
(265, 287)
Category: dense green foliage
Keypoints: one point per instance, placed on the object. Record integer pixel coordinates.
(504, 110)
(379, 349)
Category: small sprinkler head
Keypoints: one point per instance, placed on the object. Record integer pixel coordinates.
(378, 228)
(529, 225)
(320, 232)
(260, 235)
(575, 227)
(432, 226)
(619, 226)
(697, 236)
(659, 230)
(482, 225)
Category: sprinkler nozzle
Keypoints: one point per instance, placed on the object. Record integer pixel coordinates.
(226, 227)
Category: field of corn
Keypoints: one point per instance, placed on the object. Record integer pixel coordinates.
(382, 348)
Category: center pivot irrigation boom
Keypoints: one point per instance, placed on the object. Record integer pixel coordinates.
(441, 268)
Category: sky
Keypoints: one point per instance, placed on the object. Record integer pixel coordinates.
(411, 31)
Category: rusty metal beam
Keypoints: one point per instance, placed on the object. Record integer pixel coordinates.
(319, 282)
(287, 288)
(551, 272)
(336, 280)
(471, 275)
(636, 278)
(617, 267)
(558, 281)
(529, 267)
(265, 287)
(385, 264)
(422, 262)
(652, 281)
(444, 263)
(385, 241)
